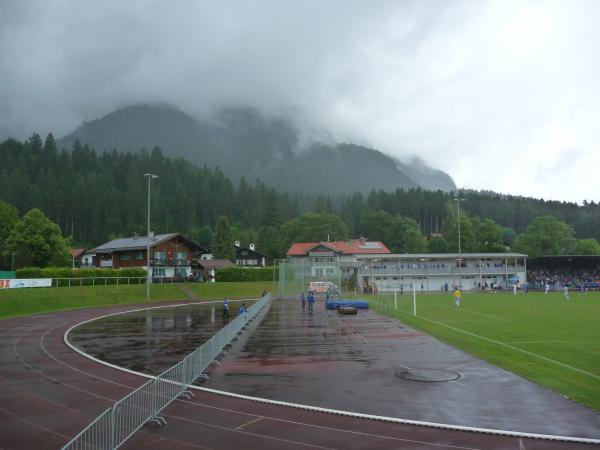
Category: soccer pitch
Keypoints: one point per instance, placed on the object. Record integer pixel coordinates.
(543, 338)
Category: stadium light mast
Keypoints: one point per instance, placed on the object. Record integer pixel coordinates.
(150, 177)
(458, 200)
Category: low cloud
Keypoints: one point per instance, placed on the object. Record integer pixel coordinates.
(487, 91)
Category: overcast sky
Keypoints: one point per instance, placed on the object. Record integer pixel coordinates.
(502, 95)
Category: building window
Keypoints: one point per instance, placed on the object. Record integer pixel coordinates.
(182, 255)
(139, 255)
(124, 256)
(180, 272)
(158, 272)
(160, 257)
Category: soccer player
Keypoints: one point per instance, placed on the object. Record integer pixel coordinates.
(457, 296)
(515, 289)
(566, 293)
(547, 288)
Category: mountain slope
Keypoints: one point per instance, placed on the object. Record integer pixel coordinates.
(242, 142)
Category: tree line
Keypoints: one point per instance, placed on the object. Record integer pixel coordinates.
(93, 198)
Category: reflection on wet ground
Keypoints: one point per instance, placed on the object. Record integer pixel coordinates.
(153, 340)
(376, 365)
(353, 363)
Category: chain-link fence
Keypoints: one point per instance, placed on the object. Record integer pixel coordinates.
(320, 275)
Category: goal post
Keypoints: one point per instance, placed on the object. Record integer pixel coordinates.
(403, 299)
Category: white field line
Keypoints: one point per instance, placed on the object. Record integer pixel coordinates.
(555, 342)
(517, 349)
(473, 312)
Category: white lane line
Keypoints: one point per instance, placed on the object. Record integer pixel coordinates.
(473, 312)
(512, 347)
(320, 427)
(463, 365)
(360, 335)
(398, 420)
(244, 425)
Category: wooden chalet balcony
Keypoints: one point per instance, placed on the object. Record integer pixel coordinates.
(169, 262)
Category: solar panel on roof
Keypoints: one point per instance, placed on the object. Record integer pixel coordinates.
(370, 245)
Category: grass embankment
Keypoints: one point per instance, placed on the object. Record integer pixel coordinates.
(23, 302)
(543, 338)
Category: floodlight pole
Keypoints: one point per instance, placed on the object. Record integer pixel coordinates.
(150, 177)
(458, 200)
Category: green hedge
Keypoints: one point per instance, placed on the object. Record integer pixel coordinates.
(246, 274)
(67, 272)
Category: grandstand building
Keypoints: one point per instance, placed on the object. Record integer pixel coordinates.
(434, 271)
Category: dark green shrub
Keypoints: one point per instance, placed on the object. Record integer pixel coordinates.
(237, 273)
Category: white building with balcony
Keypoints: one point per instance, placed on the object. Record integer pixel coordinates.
(438, 271)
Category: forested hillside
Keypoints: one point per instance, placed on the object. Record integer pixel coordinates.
(245, 142)
(96, 197)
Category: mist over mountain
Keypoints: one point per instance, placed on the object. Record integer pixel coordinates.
(243, 142)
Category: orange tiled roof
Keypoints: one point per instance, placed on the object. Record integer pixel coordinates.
(350, 247)
(76, 252)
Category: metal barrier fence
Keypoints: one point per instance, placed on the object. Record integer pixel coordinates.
(118, 423)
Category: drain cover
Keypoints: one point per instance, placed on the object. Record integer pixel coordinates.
(431, 375)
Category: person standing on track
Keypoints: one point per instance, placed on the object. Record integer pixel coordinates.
(226, 309)
(311, 301)
(302, 299)
(457, 296)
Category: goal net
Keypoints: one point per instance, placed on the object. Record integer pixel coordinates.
(401, 299)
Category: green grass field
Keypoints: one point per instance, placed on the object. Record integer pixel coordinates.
(22, 302)
(541, 337)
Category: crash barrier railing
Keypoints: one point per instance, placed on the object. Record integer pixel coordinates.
(119, 422)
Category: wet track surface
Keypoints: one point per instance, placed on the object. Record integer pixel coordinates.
(375, 365)
(153, 340)
(48, 393)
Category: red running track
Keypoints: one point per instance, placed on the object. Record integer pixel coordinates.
(48, 393)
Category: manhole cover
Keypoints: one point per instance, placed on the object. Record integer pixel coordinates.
(431, 375)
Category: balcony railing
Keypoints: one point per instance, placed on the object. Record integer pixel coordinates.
(169, 262)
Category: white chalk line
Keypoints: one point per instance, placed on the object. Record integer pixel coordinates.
(503, 344)
(555, 342)
(473, 312)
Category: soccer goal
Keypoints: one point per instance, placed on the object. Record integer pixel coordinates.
(403, 298)
(323, 276)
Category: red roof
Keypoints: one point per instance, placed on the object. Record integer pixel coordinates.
(76, 252)
(350, 247)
